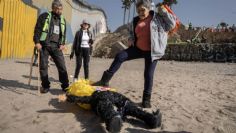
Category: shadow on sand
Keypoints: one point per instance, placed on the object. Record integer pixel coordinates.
(88, 120)
(132, 130)
(23, 62)
(13, 85)
(36, 78)
(53, 91)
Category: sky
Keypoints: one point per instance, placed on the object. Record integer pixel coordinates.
(198, 12)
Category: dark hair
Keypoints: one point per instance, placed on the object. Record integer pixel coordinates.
(56, 3)
(145, 3)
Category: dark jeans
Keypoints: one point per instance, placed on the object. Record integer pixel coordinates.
(58, 58)
(85, 56)
(135, 53)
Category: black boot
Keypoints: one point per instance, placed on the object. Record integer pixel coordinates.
(44, 90)
(106, 77)
(146, 101)
(114, 125)
(153, 120)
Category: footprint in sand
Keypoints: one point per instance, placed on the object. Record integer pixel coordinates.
(15, 107)
(133, 96)
(38, 119)
(129, 90)
(229, 128)
(226, 128)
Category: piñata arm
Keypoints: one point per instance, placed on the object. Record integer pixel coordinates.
(168, 16)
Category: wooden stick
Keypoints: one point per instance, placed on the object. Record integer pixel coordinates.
(31, 69)
(39, 71)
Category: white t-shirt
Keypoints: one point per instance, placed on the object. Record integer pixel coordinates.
(85, 39)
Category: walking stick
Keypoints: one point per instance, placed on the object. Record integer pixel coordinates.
(39, 71)
(31, 69)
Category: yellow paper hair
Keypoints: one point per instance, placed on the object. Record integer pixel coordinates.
(81, 88)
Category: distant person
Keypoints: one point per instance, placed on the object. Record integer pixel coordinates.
(49, 39)
(82, 48)
(150, 31)
(234, 28)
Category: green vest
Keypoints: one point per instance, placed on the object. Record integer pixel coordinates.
(46, 28)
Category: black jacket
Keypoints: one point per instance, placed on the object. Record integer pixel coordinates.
(39, 28)
(77, 42)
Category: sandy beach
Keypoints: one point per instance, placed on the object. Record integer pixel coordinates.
(198, 97)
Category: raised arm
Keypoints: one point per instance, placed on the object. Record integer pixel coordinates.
(167, 15)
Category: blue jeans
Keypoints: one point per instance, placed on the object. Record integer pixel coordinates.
(135, 53)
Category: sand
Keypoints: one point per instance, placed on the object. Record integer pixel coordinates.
(193, 97)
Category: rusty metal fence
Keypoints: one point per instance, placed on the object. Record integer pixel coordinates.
(17, 21)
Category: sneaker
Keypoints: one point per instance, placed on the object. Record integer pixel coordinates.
(75, 80)
(44, 90)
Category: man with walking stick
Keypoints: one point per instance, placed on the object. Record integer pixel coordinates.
(49, 39)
